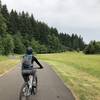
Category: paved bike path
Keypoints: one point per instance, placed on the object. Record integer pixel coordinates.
(50, 87)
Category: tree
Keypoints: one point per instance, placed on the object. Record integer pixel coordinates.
(90, 49)
(81, 43)
(0, 5)
(42, 49)
(42, 33)
(8, 44)
(53, 43)
(3, 26)
(75, 42)
(54, 31)
(33, 25)
(35, 45)
(1, 47)
(13, 22)
(19, 46)
(97, 47)
(5, 13)
(25, 24)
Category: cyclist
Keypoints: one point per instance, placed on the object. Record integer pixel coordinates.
(27, 64)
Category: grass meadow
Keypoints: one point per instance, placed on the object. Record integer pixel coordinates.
(81, 73)
(7, 63)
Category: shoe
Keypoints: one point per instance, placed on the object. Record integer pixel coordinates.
(23, 89)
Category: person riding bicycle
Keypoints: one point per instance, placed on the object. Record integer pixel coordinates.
(27, 64)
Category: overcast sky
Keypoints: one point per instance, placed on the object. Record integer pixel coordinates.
(70, 16)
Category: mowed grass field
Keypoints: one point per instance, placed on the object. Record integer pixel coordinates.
(78, 71)
(6, 63)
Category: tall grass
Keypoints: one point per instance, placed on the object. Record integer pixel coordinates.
(7, 63)
(80, 72)
(3, 58)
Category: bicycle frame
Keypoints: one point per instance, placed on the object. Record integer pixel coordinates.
(30, 82)
(30, 87)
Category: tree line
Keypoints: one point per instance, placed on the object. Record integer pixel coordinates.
(92, 48)
(18, 30)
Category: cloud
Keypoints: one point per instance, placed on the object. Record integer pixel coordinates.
(77, 16)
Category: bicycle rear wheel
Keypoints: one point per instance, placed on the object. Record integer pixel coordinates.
(24, 92)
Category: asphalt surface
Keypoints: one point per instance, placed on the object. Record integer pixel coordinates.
(50, 87)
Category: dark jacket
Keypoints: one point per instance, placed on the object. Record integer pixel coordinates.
(35, 59)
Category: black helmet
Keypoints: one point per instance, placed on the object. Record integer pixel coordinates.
(29, 50)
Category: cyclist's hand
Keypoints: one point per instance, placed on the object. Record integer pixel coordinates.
(41, 67)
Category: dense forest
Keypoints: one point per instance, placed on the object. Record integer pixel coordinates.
(18, 30)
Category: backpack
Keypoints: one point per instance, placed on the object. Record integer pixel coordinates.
(27, 62)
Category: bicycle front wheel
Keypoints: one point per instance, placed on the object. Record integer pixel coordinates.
(24, 92)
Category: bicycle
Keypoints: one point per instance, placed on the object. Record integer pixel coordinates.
(29, 87)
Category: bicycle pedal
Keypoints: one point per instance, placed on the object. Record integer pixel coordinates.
(29, 93)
